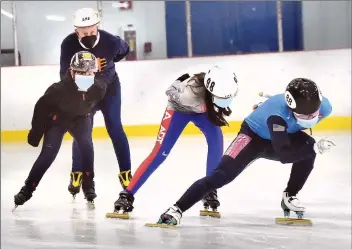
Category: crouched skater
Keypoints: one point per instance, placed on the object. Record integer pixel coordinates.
(66, 106)
(203, 99)
(274, 131)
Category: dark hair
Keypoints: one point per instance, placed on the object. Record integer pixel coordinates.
(215, 114)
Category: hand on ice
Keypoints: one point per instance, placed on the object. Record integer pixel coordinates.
(323, 145)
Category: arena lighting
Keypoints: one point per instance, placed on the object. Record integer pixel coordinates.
(55, 18)
(5, 13)
(119, 5)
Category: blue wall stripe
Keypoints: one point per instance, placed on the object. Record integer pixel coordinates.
(176, 31)
(233, 27)
(292, 25)
(227, 27)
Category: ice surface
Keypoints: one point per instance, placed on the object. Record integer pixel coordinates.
(249, 205)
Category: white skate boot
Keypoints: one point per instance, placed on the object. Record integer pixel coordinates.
(292, 203)
(170, 218)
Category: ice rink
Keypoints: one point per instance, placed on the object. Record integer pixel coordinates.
(249, 204)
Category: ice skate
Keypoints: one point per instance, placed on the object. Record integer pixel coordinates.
(75, 184)
(170, 219)
(292, 203)
(123, 206)
(88, 187)
(211, 201)
(23, 196)
(125, 178)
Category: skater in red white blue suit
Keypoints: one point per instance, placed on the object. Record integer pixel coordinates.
(202, 99)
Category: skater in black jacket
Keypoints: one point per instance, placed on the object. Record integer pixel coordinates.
(66, 106)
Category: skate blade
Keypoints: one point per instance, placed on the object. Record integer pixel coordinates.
(159, 225)
(124, 216)
(293, 221)
(214, 214)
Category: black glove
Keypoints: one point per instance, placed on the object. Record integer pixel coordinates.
(34, 138)
(183, 77)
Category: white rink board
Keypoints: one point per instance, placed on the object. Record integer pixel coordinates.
(144, 83)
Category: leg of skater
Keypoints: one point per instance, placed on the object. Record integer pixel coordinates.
(300, 172)
(50, 148)
(111, 108)
(242, 152)
(172, 125)
(75, 184)
(215, 142)
(81, 131)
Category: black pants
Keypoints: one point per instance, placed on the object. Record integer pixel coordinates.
(246, 148)
(110, 107)
(81, 131)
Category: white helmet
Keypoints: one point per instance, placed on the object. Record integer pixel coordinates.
(85, 17)
(222, 84)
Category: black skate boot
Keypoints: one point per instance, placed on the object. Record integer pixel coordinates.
(211, 200)
(125, 178)
(23, 196)
(75, 183)
(122, 206)
(88, 187)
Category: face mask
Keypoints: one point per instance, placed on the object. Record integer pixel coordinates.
(83, 82)
(308, 123)
(223, 103)
(89, 41)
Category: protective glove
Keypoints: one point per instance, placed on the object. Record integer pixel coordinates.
(183, 77)
(34, 138)
(323, 145)
(101, 64)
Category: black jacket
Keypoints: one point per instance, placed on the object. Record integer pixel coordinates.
(64, 104)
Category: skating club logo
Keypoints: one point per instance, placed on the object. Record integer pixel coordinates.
(164, 126)
(238, 145)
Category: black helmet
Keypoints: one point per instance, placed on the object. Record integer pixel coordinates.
(303, 96)
(84, 61)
